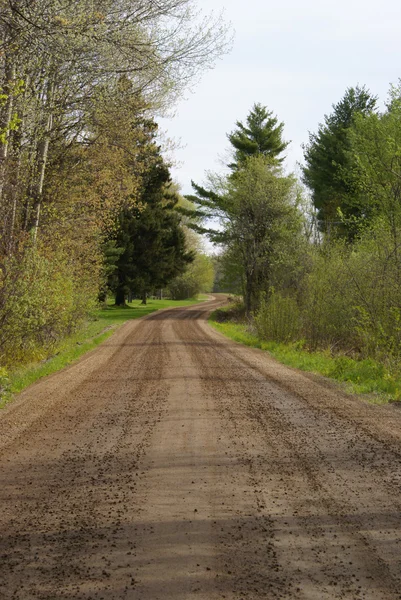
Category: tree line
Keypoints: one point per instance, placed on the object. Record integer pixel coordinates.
(86, 199)
(316, 260)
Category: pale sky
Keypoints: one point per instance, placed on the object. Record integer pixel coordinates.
(296, 58)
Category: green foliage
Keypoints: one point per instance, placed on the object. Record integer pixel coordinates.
(331, 303)
(12, 125)
(198, 277)
(229, 271)
(14, 90)
(327, 302)
(375, 272)
(257, 209)
(151, 238)
(366, 376)
(234, 312)
(376, 152)
(42, 299)
(78, 88)
(278, 318)
(350, 296)
(262, 137)
(262, 134)
(111, 255)
(262, 220)
(329, 166)
(348, 299)
(4, 382)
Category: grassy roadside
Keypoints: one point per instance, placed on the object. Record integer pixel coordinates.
(367, 377)
(97, 330)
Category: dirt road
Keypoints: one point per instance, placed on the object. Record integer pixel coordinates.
(171, 463)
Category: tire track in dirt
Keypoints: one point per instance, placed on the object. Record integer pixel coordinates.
(71, 479)
(171, 463)
(331, 489)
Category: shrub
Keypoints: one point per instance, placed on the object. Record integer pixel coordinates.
(42, 299)
(327, 302)
(4, 382)
(278, 318)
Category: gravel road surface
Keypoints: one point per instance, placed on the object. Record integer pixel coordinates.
(171, 463)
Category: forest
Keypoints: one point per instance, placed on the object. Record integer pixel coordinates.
(316, 259)
(88, 209)
(87, 205)
(200, 381)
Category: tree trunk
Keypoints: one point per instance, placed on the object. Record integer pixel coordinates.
(5, 120)
(27, 208)
(248, 303)
(42, 152)
(120, 296)
(144, 298)
(248, 294)
(16, 193)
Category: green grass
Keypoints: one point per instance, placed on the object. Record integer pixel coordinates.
(103, 324)
(367, 377)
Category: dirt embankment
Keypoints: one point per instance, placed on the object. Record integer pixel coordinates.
(171, 463)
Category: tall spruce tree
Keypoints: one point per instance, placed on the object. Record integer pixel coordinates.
(262, 134)
(151, 238)
(252, 202)
(329, 169)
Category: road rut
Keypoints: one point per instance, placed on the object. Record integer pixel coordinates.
(171, 463)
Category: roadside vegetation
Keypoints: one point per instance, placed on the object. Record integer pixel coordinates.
(316, 262)
(366, 376)
(89, 213)
(88, 210)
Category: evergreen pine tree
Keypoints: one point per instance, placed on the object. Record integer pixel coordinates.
(152, 239)
(329, 169)
(262, 134)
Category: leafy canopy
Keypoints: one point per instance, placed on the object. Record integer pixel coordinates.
(329, 166)
(376, 152)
